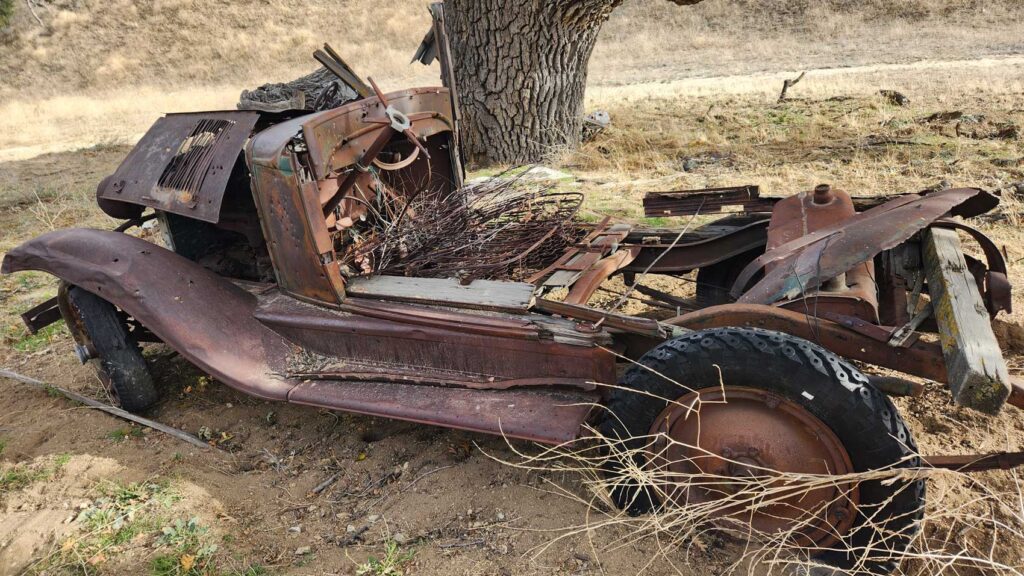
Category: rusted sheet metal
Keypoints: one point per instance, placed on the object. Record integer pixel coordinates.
(402, 340)
(203, 316)
(548, 417)
(922, 359)
(705, 201)
(740, 433)
(746, 198)
(853, 292)
(631, 324)
(41, 315)
(339, 138)
(807, 212)
(299, 243)
(803, 264)
(300, 247)
(859, 299)
(684, 257)
(592, 278)
(182, 164)
(211, 322)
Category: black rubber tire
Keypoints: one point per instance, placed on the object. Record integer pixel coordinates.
(118, 359)
(863, 419)
(715, 281)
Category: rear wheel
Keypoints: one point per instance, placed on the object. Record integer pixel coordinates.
(103, 335)
(718, 415)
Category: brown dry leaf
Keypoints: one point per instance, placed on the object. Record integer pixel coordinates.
(97, 559)
(187, 561)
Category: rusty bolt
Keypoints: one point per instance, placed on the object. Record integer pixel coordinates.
(823, 194)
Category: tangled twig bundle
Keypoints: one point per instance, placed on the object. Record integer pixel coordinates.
(502, 229)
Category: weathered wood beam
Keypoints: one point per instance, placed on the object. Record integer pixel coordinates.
(978, 377)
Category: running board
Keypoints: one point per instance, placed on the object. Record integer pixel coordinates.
(549, 417)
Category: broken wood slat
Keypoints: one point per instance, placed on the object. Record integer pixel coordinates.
(90, 402)
(479, 295)
(978, 377)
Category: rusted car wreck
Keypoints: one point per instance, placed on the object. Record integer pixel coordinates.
(263, 285)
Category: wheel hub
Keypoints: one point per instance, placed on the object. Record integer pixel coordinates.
(713, 444)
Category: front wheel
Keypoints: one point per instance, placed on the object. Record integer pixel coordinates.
(763, 435)
(103, 334)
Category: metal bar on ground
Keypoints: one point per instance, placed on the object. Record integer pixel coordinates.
(92, 403)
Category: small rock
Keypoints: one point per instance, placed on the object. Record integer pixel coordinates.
(372, 518)
(295, 529)
(690, 164)
(302, 550)
(350, 529)
(400, 538)
(500, 516)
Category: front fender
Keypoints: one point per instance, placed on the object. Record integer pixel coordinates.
(205, 317)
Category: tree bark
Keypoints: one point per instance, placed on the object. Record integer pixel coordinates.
(521, 71)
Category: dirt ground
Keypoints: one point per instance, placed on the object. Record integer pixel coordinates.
(431, 501)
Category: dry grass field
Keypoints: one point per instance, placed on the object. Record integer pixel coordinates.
(692, 96)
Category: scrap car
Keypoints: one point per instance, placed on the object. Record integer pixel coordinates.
(337, 259)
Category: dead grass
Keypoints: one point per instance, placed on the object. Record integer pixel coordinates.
(974, 533)
(681, 84)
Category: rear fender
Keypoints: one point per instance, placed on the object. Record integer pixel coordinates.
(203, 316)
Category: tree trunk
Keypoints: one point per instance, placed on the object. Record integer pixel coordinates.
(521, 70)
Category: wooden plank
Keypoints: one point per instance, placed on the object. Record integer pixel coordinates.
(978, 376)
(512, 297)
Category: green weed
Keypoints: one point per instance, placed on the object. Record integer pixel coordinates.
(21, 476)
(6, 11)
(391, 564)
(28, 343)
(122, 434)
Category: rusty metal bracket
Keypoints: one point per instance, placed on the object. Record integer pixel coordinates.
(41, 315)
